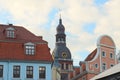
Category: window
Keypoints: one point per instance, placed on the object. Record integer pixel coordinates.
(10, 32)
(62, 66)
(111, 56)
(29, 72)
(83, 78)
(16, 71)
(111, 65)
(30, 48)
(67, 66)
(103, 66)
(96, 65)
(42, 72)
(1, 70)
(103, 54)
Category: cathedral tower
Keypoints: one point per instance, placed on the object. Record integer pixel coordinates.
(61, 54)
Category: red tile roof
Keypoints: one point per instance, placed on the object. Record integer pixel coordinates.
(22, 34)
(91, 55)
(13, 49)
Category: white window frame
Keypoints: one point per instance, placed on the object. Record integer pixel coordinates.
(10, 32)
(30, 48)
(104, 54)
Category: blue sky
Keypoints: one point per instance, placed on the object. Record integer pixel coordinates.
(84, 20)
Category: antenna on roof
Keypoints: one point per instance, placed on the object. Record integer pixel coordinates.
(60, 13)
(10, 24)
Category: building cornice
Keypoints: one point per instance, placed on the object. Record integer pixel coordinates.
(27, 61)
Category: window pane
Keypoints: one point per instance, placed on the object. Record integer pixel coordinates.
(29, 72)
(1, 70)
(16, 71)
(30, 50)
(42, 72)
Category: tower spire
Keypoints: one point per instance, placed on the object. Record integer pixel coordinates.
(60, 20)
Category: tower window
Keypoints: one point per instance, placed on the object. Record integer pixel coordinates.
(111, 65)
(111, 56)
(103, 54)
(16, 71)
(96, 65)
(30, 48)
(10, 32)
(62, 66)
(67, 66)
(103, 66)
(42, 72)
(1, 70)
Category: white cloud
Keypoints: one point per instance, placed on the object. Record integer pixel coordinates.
(34, 15)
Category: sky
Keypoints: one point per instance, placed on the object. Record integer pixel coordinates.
(84, 21)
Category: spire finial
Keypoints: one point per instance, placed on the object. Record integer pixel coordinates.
(60, 20)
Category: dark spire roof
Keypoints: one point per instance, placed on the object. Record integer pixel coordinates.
(60, 27)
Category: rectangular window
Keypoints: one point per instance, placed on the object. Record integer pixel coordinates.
(62, 66)
(67, 66)
(1, 70)
(29, 72)
(42, 72)
(30, 49)
(10, 34)
(16, 71)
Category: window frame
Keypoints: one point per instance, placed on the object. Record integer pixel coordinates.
(67, 66)
(112, 57)
(16, 68)
(96, 66)
(29, 71)
(104, 67)
(1, 71)
(42, 72)
(10, 32)
(104, 54)
(30, 48)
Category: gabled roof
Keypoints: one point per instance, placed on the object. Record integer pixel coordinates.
(14, 49)
(91, 55)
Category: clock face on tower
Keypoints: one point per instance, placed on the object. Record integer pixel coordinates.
(64, 54)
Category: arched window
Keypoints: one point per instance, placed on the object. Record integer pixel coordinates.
(111, 56)
(103, 54)
(104, 66)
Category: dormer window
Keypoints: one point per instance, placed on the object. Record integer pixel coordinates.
(30, 48)
(10, 32)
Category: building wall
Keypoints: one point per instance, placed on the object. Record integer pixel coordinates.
(8, 70)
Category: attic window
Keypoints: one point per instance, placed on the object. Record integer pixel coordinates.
(30, 48)
(10, 32)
